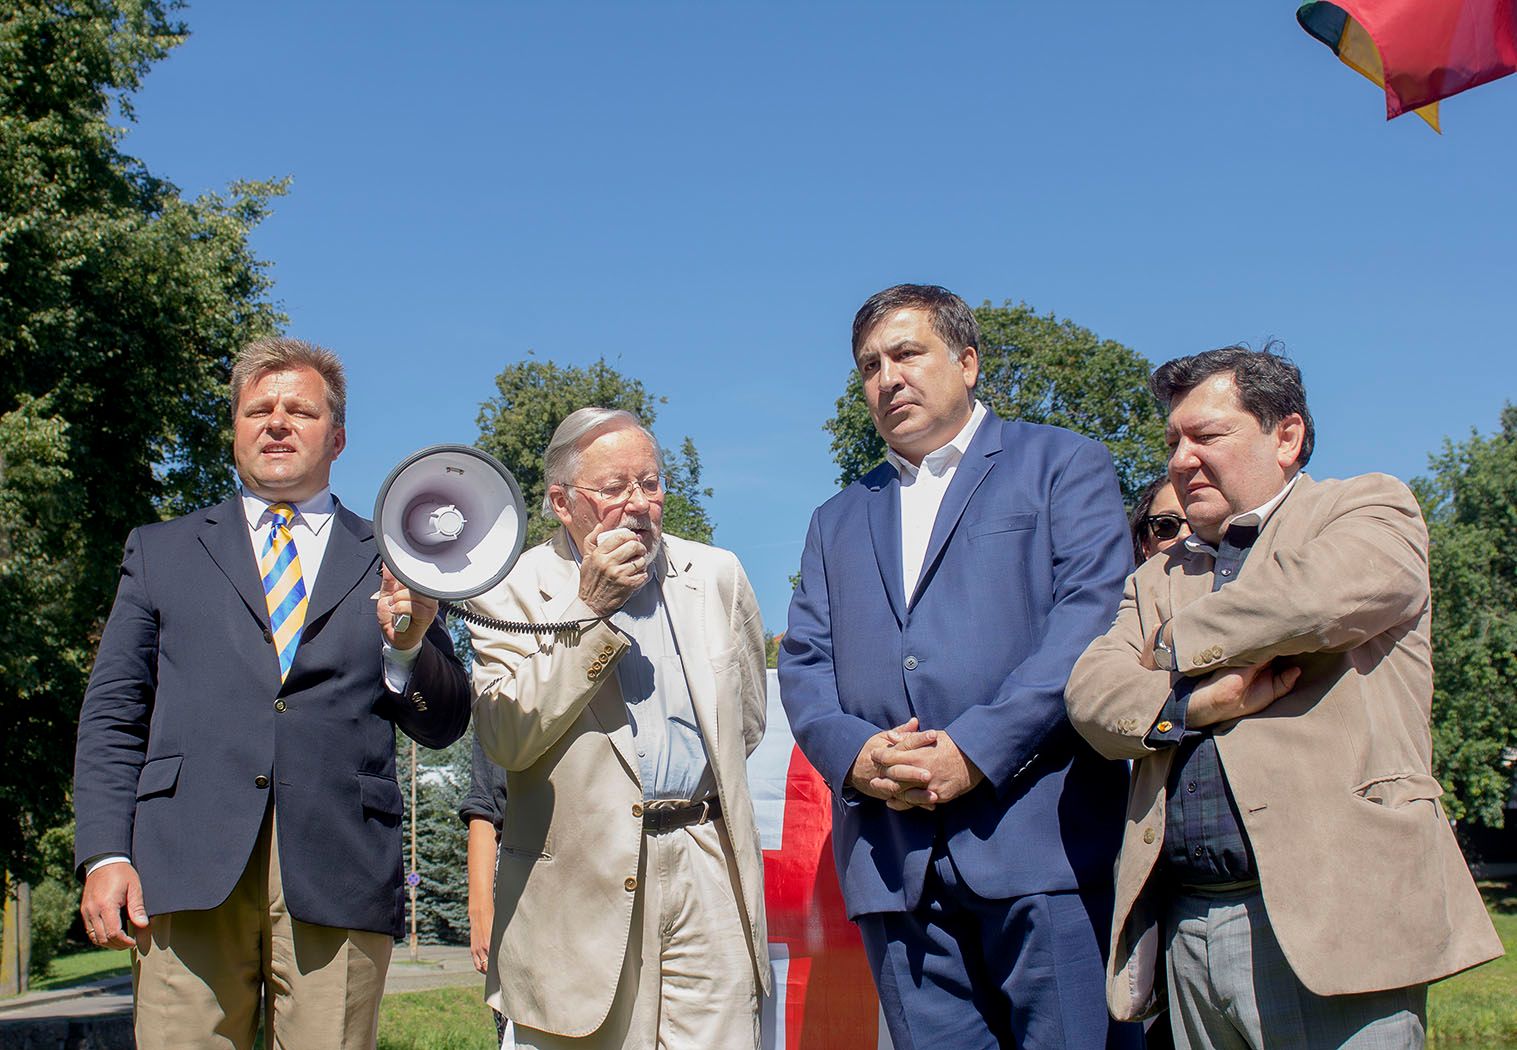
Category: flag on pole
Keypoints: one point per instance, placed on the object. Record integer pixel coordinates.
(1419, 51)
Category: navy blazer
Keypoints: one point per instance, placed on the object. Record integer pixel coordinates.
(186, 731)
(1024, 567)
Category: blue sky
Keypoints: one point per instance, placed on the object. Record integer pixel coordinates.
(705, 192)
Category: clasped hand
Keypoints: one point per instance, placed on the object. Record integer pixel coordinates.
(908, 767)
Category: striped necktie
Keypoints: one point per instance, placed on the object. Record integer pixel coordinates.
(283, 586)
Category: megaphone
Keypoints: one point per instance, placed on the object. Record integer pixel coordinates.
(450, 522)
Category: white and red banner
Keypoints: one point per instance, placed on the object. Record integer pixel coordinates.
(824, 998)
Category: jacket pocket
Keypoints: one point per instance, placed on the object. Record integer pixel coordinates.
(1399, 789)
(159, 776)
(519, 853)
(1002, 523)
(380, 795)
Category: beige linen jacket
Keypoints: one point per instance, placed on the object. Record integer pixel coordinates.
(549, 710)
(1362, 878)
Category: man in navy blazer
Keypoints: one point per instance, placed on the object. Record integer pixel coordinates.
(235, 776)
(943, 599)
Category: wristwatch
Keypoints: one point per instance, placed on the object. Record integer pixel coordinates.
(1164, 652)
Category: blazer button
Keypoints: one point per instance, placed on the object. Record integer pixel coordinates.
(1148, 836)
(260, 781)
(910, 663)
(280, 705)
(630, 884)
(268, 635)
(637, 809)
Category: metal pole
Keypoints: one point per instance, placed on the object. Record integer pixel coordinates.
(415, 949)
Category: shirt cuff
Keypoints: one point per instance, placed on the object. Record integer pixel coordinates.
(398, 664)
(99, 862)
(1169, 728)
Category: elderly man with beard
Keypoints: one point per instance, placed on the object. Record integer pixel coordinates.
(629, 894)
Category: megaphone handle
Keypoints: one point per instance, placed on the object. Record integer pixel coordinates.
(515, 626)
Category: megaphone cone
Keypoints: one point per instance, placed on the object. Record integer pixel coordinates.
(450, 522)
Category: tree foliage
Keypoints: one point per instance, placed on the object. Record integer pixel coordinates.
(121, 304)
(1470, 500)
(1039, 369)
(533, 397)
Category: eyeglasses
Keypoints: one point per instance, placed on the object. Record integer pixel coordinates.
(1164, 526)
(615, 492)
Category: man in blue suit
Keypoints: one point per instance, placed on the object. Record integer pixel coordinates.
(235, 775)
(943, 599)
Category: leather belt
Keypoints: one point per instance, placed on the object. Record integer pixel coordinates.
(657, 820)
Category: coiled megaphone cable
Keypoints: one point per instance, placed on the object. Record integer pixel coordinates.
(514, 626)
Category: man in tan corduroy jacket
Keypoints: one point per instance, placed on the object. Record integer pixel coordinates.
(1287, 874)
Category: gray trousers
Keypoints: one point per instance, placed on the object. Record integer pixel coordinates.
(1230, 987)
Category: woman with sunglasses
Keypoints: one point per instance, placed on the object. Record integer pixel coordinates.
(1158, 521)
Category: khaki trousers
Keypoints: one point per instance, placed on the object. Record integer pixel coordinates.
(689, 982)
(200, 977)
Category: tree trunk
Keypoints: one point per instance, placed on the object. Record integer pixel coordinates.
(16, 943)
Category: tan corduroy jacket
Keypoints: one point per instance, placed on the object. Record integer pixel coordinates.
(550, 711)
(1361, 876)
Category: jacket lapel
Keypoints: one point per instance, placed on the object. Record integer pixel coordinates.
(884, 504)
(972, 471)
(349, 559)
(225, 538)
(685, 600)
(607, 707)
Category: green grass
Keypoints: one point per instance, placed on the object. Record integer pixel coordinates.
(1478, 1008)
(92, 965)
(440, 1019)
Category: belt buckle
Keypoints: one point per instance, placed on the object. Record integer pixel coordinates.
(705, 811)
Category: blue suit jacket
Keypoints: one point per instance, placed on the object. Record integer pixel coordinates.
(179, 726)
(1024, 567)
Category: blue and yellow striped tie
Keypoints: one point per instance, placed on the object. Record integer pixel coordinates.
(283, 586)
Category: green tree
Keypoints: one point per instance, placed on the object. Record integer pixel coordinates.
(442, 856)
(533, 397)
(120, 305)
(1039, 369)
(1470, 500)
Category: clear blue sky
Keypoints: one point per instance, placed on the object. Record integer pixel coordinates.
(705, 192)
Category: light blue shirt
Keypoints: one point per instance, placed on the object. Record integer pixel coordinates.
(671, 753)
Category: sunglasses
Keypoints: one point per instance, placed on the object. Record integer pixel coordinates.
(1164, 526)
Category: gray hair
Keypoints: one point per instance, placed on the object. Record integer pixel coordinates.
(561, 459)
(277, 353)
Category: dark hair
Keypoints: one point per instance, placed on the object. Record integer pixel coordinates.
(952, 319)
(1269, 384)
(1140, 511)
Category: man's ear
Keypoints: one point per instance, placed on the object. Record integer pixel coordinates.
(969, 360)
(558, 497)
(1290, 433)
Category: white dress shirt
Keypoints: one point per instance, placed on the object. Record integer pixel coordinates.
(922, 491)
